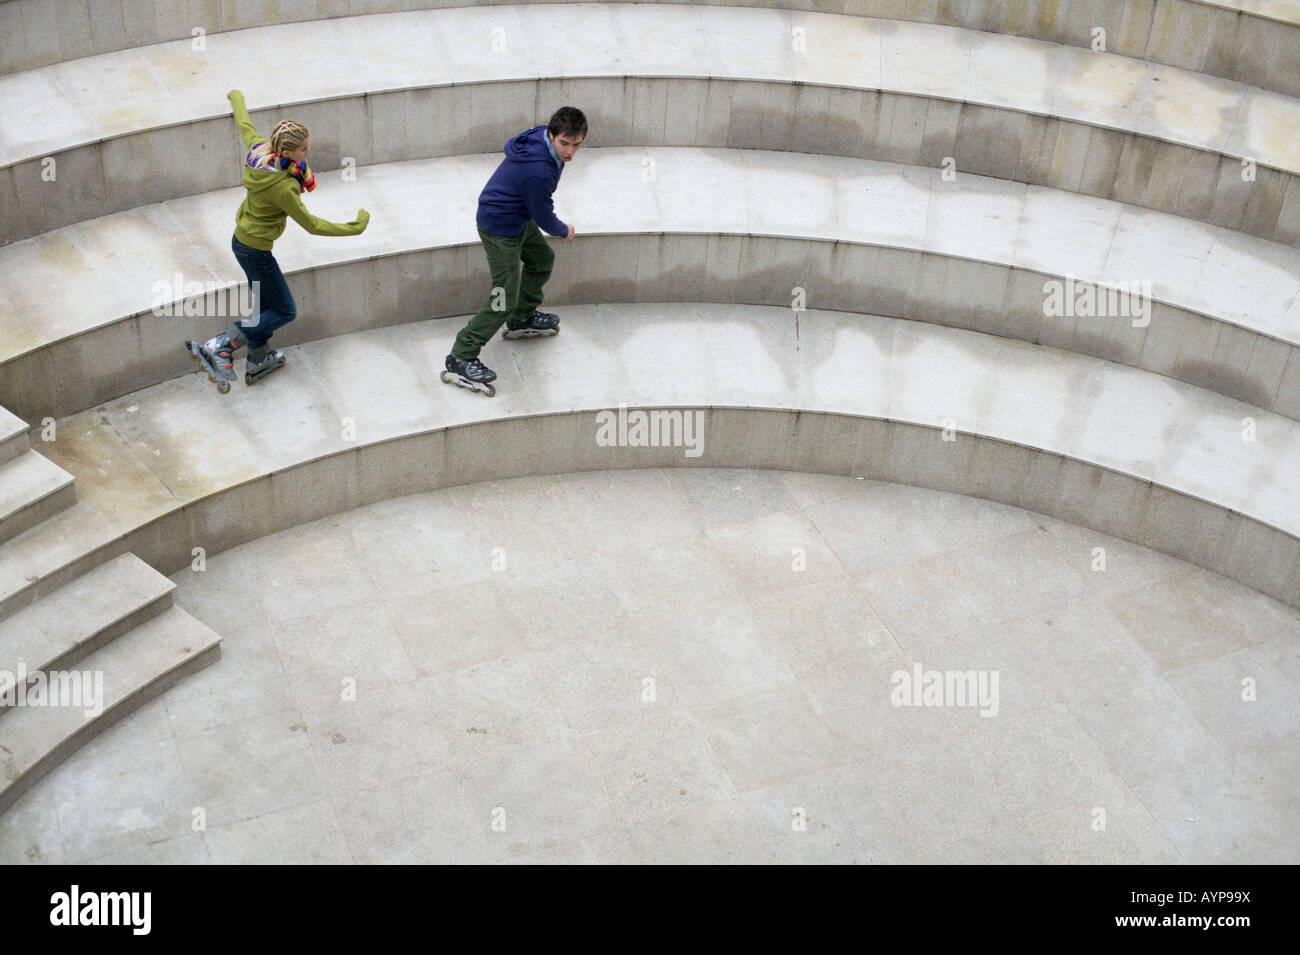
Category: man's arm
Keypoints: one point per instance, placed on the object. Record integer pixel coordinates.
(246, 128)
(537, 200)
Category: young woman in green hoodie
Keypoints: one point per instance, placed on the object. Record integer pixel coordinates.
(275, 175)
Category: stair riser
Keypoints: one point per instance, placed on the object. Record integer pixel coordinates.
(1170, 38)
(1009, 304)
(14, 446)
(74, 655)
(752, 105)
(49, 583)
(37, 511)
(34, 774)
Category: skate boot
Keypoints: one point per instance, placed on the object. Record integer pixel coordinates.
(261, 362)
(534, 326)
(471, 374)
(216, 356)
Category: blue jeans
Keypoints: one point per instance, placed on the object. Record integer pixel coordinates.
(273, 304)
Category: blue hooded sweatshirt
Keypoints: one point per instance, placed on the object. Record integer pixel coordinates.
(521, 187)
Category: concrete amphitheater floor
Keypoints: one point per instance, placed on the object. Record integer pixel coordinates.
(694, 665)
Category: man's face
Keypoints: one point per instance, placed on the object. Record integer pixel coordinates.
(565, 145)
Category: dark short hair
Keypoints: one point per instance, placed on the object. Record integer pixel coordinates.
(568, 121)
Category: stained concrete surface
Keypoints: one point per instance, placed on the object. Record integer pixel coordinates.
(695, 665)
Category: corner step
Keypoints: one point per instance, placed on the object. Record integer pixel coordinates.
(32, 488)
(13, 436)
(62, 628)
(136, 667)
(53, 553)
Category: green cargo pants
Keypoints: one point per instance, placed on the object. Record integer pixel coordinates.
(510, 296)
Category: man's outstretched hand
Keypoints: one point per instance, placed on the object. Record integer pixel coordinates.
(572, 233)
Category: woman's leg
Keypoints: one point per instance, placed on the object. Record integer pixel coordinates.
(273, 304)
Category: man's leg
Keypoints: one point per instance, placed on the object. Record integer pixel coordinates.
(538, 259)
(503, 263)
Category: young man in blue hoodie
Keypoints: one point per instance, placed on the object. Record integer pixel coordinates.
(512, 206)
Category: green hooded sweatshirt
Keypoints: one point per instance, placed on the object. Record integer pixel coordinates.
(272, 195)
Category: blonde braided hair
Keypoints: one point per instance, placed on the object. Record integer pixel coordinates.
(287, 136)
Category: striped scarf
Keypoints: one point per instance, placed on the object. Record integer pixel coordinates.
(259, 158)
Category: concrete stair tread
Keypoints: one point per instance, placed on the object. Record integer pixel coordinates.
(32, 488)
(13, 436)
(34, 738)
(429, 204)
(101, 97)
(10, 424)
(51, 548)
(1135, 422)
(35, 48)
(62, 627)
(1283, 11)
(27, 479)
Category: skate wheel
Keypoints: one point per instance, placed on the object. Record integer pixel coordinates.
(248, 379)
(517, 334)
(445, 379)
(489, 390)
(223, 387)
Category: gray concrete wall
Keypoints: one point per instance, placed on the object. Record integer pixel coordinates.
(1227, 543)
(69, 376)
(129, 171)
(1260, 50)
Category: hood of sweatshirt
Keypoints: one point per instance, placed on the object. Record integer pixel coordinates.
(531, 146)
(257, 180)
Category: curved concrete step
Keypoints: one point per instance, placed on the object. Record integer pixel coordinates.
(1252, 41)
(1255, 41)
(667, 224)
(13, 436)
(61, 629)
(32, 488)
(648, 75)
(362, 418)
(56, 552)
(129, 671)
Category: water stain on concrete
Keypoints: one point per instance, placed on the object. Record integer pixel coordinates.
(58, 251)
